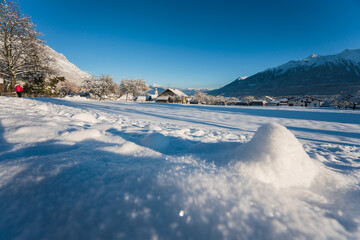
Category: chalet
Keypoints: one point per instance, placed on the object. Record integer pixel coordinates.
(283, 102)
(171, 95)
(305, 102)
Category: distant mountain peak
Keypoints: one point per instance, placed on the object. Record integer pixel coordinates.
(313, 56)
(242, 78)
(314, 75)
(156, 86)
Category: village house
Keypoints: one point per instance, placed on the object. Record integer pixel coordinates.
(305, 102)
(283, 102)
(171, 95)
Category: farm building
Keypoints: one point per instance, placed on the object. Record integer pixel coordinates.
(305, 102)
(283, 102)
(171, 95)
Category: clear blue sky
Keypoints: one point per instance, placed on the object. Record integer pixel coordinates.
(189, 43)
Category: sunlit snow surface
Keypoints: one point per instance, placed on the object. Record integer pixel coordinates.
(77, 169)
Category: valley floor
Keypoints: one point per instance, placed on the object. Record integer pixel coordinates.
(81, 169)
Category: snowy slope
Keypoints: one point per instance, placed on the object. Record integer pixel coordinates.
(317, 75)
(350, 57)
(64, 68)
(81, 169)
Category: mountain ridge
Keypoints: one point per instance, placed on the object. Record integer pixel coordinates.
(314, 75)
(63, 67)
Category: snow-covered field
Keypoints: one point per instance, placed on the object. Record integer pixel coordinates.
(78, 169)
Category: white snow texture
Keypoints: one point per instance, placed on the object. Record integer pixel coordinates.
(79, 169)
(275, 156)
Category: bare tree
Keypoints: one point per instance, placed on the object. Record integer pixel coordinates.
(124, 88)
(136, 87)
(200, 97)
(205, 98)
(101, 86)
(248, 99)
(66, 87)
(19, 42)
(347, 100)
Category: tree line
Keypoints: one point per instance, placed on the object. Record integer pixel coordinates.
(104, 86)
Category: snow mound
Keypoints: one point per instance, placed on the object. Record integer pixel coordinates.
(79, 136)
(86, 117)
(275, 156)
(32, 134)
(128, 148)
(155, 141)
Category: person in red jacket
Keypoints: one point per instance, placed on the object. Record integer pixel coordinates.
(19, 90)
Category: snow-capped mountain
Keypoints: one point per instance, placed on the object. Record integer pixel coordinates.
(316, 75)
(64, 68)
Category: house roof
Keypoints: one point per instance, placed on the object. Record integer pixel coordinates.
(175, 91)
(299, 98)
(270, 98)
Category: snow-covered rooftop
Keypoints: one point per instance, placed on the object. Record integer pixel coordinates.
(177, 92)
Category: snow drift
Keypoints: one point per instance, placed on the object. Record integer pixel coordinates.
(75, 169)
(275, 156)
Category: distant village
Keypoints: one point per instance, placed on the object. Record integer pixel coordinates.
(171, 95)
(345, 100)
